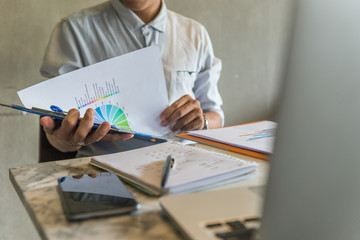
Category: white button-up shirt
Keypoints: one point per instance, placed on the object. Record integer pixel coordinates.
(110, 29)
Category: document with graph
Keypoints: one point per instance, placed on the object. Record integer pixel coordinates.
(128, 91)
(255, 139)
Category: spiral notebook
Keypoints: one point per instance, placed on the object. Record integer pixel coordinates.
(195, 168)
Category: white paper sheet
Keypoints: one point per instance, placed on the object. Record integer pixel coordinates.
(258, 136)
(132, 86)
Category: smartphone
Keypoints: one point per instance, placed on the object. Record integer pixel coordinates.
(94, 195)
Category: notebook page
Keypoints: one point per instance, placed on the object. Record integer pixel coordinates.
(191, 164)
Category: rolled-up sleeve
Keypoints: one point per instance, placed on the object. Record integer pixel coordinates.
(206, 85)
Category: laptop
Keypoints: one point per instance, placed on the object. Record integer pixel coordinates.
(313, 188)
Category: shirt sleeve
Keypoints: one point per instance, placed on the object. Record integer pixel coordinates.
(63, 53)
(206, 84)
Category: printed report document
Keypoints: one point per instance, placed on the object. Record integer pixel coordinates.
(128, 91)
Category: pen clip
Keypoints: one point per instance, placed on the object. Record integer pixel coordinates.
(57, 109)
(49, 113)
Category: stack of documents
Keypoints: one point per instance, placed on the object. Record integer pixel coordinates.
(195, 169)
(255, 139)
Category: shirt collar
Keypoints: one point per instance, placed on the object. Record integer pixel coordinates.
(133, 22)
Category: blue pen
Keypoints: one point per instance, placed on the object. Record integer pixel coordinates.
(42, 112)
(149, 138)
(56, 113)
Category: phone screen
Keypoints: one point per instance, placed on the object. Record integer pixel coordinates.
(94, 195)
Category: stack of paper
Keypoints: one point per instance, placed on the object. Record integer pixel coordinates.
(195, 169)
(254, 139)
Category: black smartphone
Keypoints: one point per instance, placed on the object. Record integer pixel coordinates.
(94, 195)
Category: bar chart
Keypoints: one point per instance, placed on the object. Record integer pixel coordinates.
(97, 93)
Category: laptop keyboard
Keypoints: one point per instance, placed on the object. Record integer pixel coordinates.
(233, 229)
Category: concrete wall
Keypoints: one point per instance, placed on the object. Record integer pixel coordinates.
(248, 35)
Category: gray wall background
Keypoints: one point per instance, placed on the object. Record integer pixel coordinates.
(250, 37)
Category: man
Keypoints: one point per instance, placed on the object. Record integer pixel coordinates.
(117, 27)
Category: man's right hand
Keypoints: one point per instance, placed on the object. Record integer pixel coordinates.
(70, 137)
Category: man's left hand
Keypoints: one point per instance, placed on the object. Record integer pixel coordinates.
(185, 114)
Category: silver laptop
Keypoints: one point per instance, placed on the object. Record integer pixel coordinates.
(313, 190)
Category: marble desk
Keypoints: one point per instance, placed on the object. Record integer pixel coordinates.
(36, 185)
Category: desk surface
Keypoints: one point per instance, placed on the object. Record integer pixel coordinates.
(36, 185)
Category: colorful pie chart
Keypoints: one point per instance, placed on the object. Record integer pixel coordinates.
(112, 114)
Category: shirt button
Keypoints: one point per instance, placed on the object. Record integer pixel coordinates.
(146, 28)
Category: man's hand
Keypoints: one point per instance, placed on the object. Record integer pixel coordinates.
(69, 137)
(185, 114)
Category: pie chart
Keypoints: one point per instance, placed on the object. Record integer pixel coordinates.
(112, 114)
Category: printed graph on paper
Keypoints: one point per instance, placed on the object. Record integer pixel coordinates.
(103, 98)
(129, 91)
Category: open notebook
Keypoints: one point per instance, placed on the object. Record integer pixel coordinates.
(196, 169)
